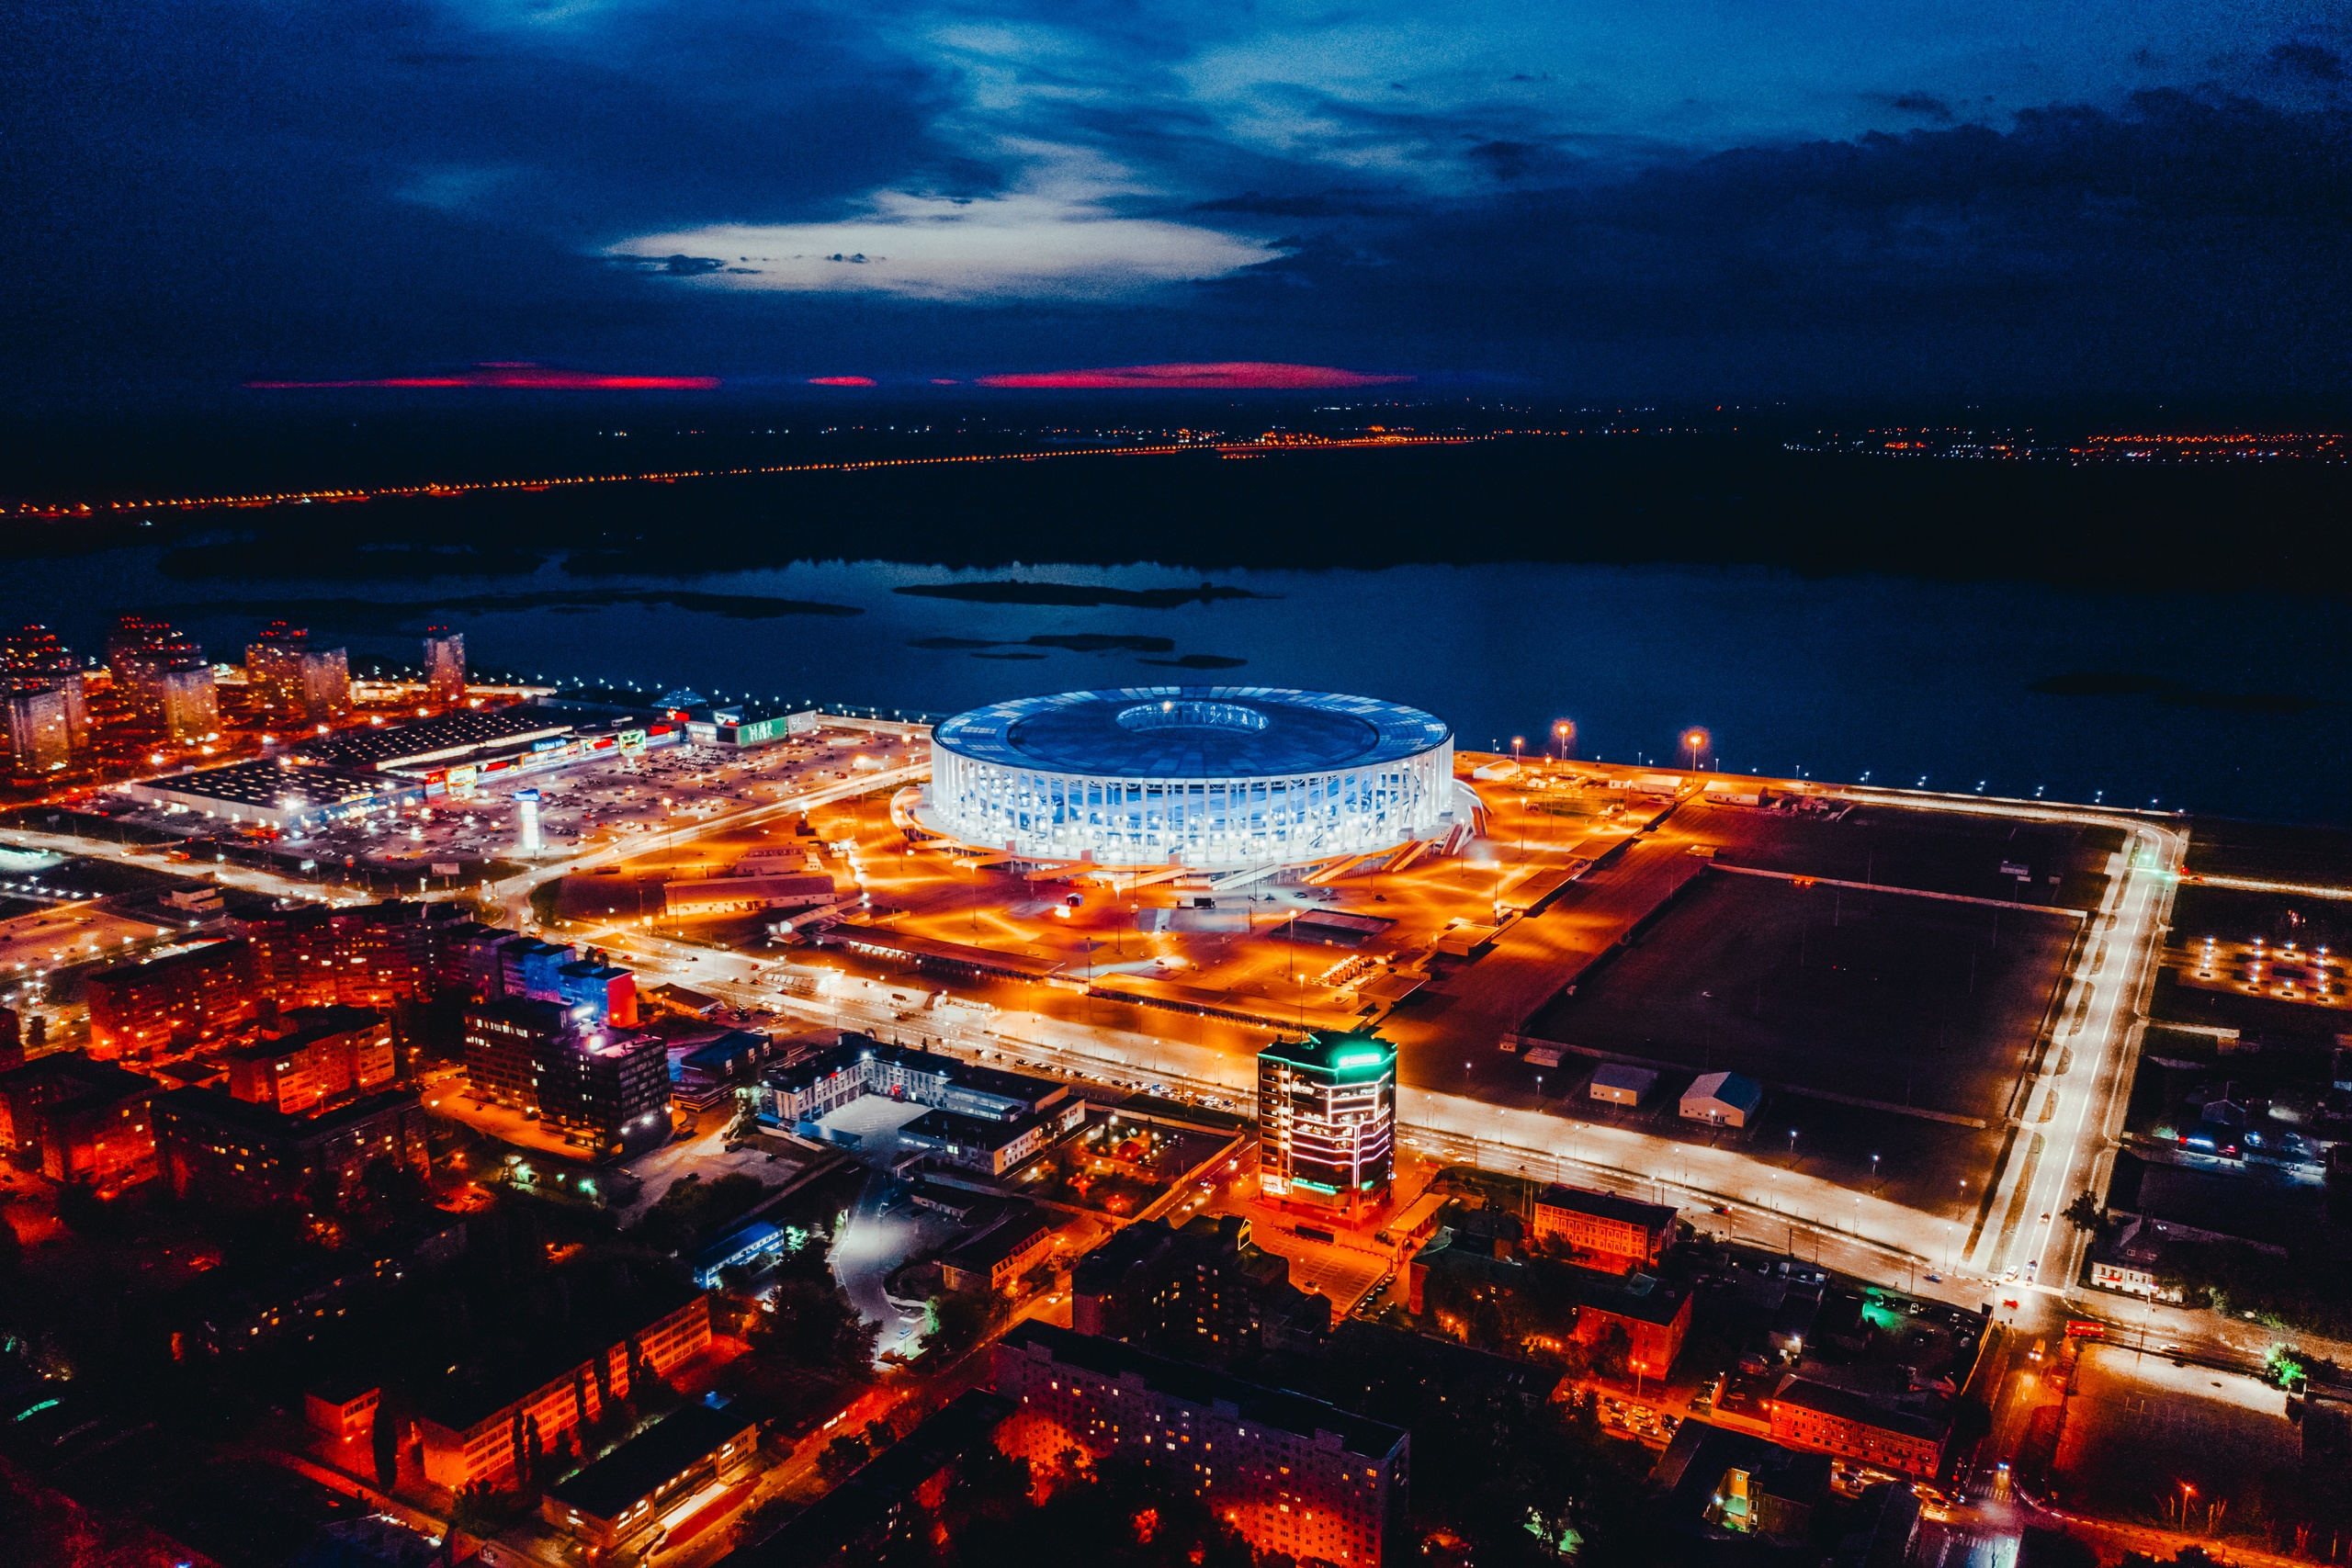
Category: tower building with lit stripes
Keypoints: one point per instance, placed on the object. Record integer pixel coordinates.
(1326, 1121)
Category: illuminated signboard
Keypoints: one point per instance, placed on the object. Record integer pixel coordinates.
(760, 731)
(631, 739)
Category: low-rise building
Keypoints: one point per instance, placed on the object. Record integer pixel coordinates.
(999, 1255)
(1603, 1230)
(477, 1425)
(1550, 1303)
(1723, 1099)
(1292, 1474)
(1619, 1084)
(980, 1144)
(342, 1408)
(743, 892)
(719, 1070)
(622, 1494)
(807, 1091)
(1200, 1290)
(235, 1308)
(1903, 1434)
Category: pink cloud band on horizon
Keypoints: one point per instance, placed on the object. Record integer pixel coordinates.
(840, 380)
(1230, 375)
(525, 378)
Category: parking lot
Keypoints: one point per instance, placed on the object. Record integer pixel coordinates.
(591, 805)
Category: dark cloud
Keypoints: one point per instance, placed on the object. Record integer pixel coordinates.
(1926, 104)
(1327, 203)
(1508, 160)
(2189, 241)
(2307, 60)
(230, 190)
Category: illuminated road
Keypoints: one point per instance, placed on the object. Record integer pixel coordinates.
(2072, 1113)
(510, 893)
(1736, 1189)
(514, 892)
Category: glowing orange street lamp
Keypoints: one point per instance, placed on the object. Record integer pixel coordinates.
(1697, 740)
(1516, 742)
(1564, 735)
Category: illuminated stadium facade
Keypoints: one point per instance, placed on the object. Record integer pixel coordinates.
(1208, 776)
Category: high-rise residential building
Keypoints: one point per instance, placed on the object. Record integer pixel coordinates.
(86, 1122)
(1326, 1120)
(1292, 1475)
(274, 666)
(1200, 1290)
(198, 995)
(216, 1147)
(326, 685)
(444, 667)
(297, 679)
(39, 739)
(34, 657)
(187, 703)
(311, 1055)
(609, 1086)
(162, 671)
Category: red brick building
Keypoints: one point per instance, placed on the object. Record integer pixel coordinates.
(1601, 1230)
(1905, 1436)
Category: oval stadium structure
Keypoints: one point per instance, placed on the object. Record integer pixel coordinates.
(1203, 776)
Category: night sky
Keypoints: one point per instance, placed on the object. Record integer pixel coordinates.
(1994, 198)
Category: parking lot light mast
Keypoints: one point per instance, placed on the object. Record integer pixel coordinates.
(1564, 734)
(1696, 739)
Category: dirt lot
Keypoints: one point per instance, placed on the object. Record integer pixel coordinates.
(1902, 1000)
(2137, 1426)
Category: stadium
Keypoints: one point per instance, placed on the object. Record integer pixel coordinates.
(1208, 776)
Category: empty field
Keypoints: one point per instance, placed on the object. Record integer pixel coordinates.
(1934, 852)
(1879, 997)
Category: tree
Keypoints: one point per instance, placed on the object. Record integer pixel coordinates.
(961, 1319)
(385, 1436)
(2083, 1213)
(1613, 1353)
(837, 1459)
(479, 1511)
(815, 1325)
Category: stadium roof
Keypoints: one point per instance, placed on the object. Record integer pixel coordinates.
(1192, 732)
